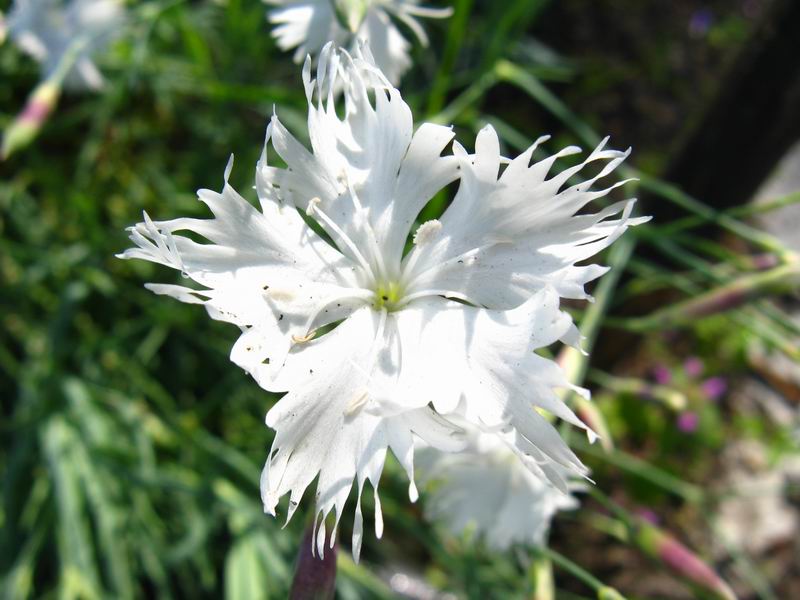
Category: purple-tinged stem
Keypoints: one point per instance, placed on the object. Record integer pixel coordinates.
(315, 576)
(665, 548)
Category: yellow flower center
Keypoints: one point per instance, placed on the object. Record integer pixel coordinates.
(388, 296)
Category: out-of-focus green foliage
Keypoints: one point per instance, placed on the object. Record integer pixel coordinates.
(131, 447)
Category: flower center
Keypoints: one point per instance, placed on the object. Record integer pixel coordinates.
(388, 296)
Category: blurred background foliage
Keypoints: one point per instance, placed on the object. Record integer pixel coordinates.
(130, 445)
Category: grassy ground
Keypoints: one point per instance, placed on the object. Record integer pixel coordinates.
(132, 446)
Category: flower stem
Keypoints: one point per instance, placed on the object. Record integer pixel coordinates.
(603, 591)
(739, 212)
(40, 104)
(721, 299)
(666, 395)
(455, 35)
(571, 567)
(666, 481)
(315, 576)
(665, 548)
(541, 576)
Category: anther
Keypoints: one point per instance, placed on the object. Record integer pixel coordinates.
(312, 205)
(427, 232)
(298, 339)
(356, 403)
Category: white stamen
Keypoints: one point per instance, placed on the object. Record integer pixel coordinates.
(356, 404)
(427, 232)
(302, 339)
(312, 204)
(280, 295)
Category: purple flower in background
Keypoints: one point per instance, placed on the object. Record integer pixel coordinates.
(700, 22)
(714, 387)
(688, 421)
(649, 515)
(693, 366)
(662, 375)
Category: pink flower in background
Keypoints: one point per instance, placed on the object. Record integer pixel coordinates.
(662, 375)
(693, 366)
(649, 515)
(688, 421)
(714, 387)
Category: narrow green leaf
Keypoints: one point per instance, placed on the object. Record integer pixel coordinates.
(244, 571)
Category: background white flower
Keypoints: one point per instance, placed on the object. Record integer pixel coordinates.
(487, 489)
(45, 29)
(404, 353)
(308, 25)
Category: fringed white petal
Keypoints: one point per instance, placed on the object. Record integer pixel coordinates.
(322, 431)
(507, 235)
(307, 25)
(487, 487)
(367, 175)
(480, 362)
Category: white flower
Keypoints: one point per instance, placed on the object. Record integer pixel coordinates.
(46, 29)
(308, 25)
(403, 352)
(486, 487)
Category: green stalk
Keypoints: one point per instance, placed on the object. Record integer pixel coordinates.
(455, 37)
(738, 212)
(747, 318)
(784, 278)
(687, 491)
(376, 587)
(469, 97)
(666, 549)
(511, 73)
(603, 591)
(760, 325)
(541, 575)
(680, 198)
(668, 396)
(40, 104)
